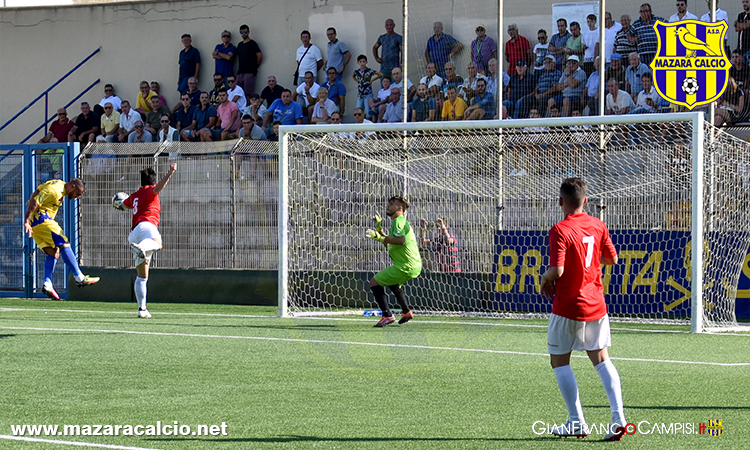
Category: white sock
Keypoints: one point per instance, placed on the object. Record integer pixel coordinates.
(149, 245)
(611, 382)
(566, 381)
(140, 291)
(79, 277)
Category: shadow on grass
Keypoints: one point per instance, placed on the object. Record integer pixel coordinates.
(673, 408)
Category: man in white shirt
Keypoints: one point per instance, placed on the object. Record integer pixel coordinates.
(611, 28)
(648, 98)
(590, 44)
(309, 58)
(307, 92)
(618, 101)
(128, 118)
(109, 97)
(236, 93)
(682, 12)
(398, 81)
(432, 80)
(720, 15)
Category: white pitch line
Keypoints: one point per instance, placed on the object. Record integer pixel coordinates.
(371, 344)
(75, 443)
(258, 316)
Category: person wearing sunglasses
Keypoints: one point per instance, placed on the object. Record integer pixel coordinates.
(224, 55)
(167, 133)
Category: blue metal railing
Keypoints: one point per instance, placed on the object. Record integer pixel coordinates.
(45, 94)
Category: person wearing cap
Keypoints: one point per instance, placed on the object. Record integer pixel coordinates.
(468, 88)
(522, 83)
(571, 84)
(336, 90)
(543, 91)
(517, 47)
(256, 108)
(616, 70)
(483, 49)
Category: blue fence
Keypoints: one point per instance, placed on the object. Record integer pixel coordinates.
(22, 168)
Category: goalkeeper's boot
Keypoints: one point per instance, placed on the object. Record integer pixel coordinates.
(571, 429)
(144, 314)
(405, 317)
(49, 291)
(87, 281)
(614, 432)
(385, 321)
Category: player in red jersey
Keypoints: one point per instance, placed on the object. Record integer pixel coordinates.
(144, 236)
(579, 319)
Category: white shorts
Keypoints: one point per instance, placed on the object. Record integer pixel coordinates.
(565, 335)
(142, 231)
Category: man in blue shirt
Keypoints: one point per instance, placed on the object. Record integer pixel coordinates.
(441, 48)
(336, 89)
(483, 104)
(284, 110)
(190, 63)
(392, 43)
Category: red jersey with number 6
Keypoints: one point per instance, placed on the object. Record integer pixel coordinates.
(146, 206)
(577, 244)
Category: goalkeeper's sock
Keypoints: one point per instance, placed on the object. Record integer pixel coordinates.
(566, 381)
(140, 291)
(399, 294)
(49, 268)
(149, 245)
(70, 260)
(380, 299)
(611, 382)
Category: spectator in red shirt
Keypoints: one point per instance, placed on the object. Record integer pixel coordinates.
(144, 236)
(58, 131)
(579, 320)
(517, 47)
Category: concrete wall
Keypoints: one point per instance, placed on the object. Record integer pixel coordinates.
(141, 40)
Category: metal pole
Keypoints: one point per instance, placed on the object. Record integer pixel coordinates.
(696, 243)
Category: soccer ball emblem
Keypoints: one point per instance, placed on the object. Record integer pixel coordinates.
(690, 86)
(118, 199)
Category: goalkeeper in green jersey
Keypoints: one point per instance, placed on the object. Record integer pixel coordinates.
(404, 252)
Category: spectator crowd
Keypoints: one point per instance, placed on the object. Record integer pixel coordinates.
(558, 76)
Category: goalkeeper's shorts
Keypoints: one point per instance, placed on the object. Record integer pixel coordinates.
(393, 275)
(48, 234)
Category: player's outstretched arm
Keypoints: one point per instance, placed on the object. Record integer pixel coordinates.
(163, 182)
(31, 207)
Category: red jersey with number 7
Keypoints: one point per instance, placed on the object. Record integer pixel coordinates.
(146, 206)
(577, 244)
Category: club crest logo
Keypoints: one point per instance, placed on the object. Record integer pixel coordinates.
(690, 68)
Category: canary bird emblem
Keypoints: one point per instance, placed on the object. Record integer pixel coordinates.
(692, 43)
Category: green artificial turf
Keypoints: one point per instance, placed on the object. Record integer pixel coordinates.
(434, 383)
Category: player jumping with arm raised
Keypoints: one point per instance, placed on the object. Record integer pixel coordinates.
(579, 319)
(144, 237)
(404, 252)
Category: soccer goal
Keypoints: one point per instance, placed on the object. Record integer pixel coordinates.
(674, 192)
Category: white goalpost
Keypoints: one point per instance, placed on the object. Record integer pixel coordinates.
(674, 192)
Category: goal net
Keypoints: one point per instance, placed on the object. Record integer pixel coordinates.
(662, 183)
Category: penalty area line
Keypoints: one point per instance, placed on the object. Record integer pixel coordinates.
(73, 443)
(370, 344)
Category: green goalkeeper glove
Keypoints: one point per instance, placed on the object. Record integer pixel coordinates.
(378, 222)
(372, 234)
